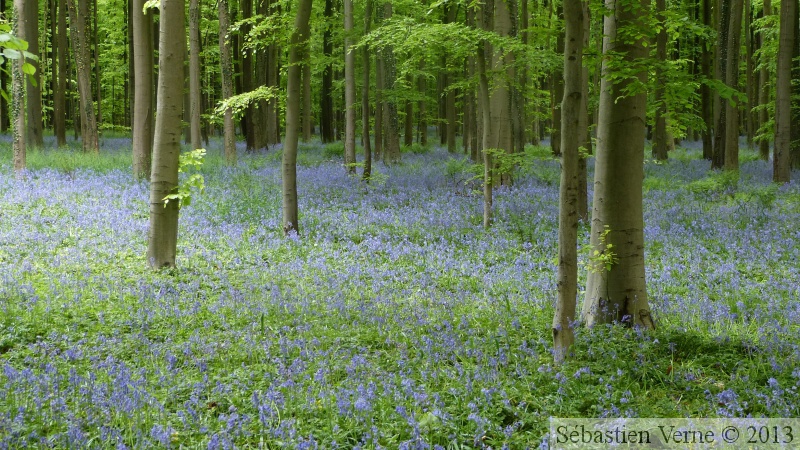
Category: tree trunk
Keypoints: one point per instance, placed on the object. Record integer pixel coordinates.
(261, 118)
(80, 44)
(718, 156)
(489, 133)
(422, 123)
(660, 133)
(195, 101)
(616, 289)
(59, 96)
(298, 54)
(706, 102)
(558, 93)
(500, 96)
(28, 15)
(326, 99)
(391, 153)
(764, 83)
(365, 109)
(571, 139)
(226, 68)
(379, 85)
(18, 95)
(163, 236)
(408, 120)
(306, 118)
(586, 142)
(143, 101)
(349, 90)
(732, 80)
(783, 94)
(98, 85)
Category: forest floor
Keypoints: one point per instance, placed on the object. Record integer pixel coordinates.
(393, 321)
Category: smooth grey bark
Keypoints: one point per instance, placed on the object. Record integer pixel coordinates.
(619, 294)
(28, 16)
(195, 101)
(163, 234)
(488, 131)
(298, 55)
(764, 83)
(391, 153)
(143, 90)
(80, 44)
(781, 165)
(59, 96)
(326, 98)
(226, 69)
(660, 135)
(731, 154)
(571, 138)
(349, 91)
(365, 104)
(18, 98)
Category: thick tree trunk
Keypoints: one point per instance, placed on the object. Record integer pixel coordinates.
(163, 235)
(143, 101)
(783, 92)
(732, 80)
(349, 90)
(660, 135)
(195, 101)
(28, 15)
(298, 54)
(226, 68)
(365, 105)
(571, 139)
(616, 289)
(764, 89)
(80, 43)
(59, 96)
(500, 96)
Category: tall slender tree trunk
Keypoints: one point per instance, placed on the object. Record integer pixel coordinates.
(163, 235)
(489, 132)
(731, 160)
(764, 89)
(450, 95)
(718, 157)
(422, 123)
(391, 153)
(365, 105)
(261, 118)
(226, 68)
(143, 90)
(195, 100)
(660, 135)
(781, 164)
(97, 79)
(583, 124)
(349, 90)
(379, 101)
(706, 101)
(298, 55)
(28, 15)
(18, 112)
(326, 99)
(618, 293)
(5, 71)
(500, 95)
(80, 43)
(571, 139)
(59, 96)
(408, 120)
(131, 82)
(307, 125)
(558, 92)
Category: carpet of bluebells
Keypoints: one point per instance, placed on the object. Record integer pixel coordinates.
(393, 321)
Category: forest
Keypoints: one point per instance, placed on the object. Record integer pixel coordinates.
(394, 223)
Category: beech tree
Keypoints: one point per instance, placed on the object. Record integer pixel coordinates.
(229, 133)
(194, 73)
(28, 18)
(616, 288)
(142, 22)
(349, 90)
(781, 172)
(298, 58)
(571, 133)
(163, 235)
(80, 43)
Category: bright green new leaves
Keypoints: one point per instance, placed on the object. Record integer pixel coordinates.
(15, 48)
(238, 104)
(183, 192)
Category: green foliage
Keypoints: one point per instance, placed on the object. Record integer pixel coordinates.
(333, 150)
(238, 104)
(195, 181)
(601, 259)
(720, 182)
(416, 148)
